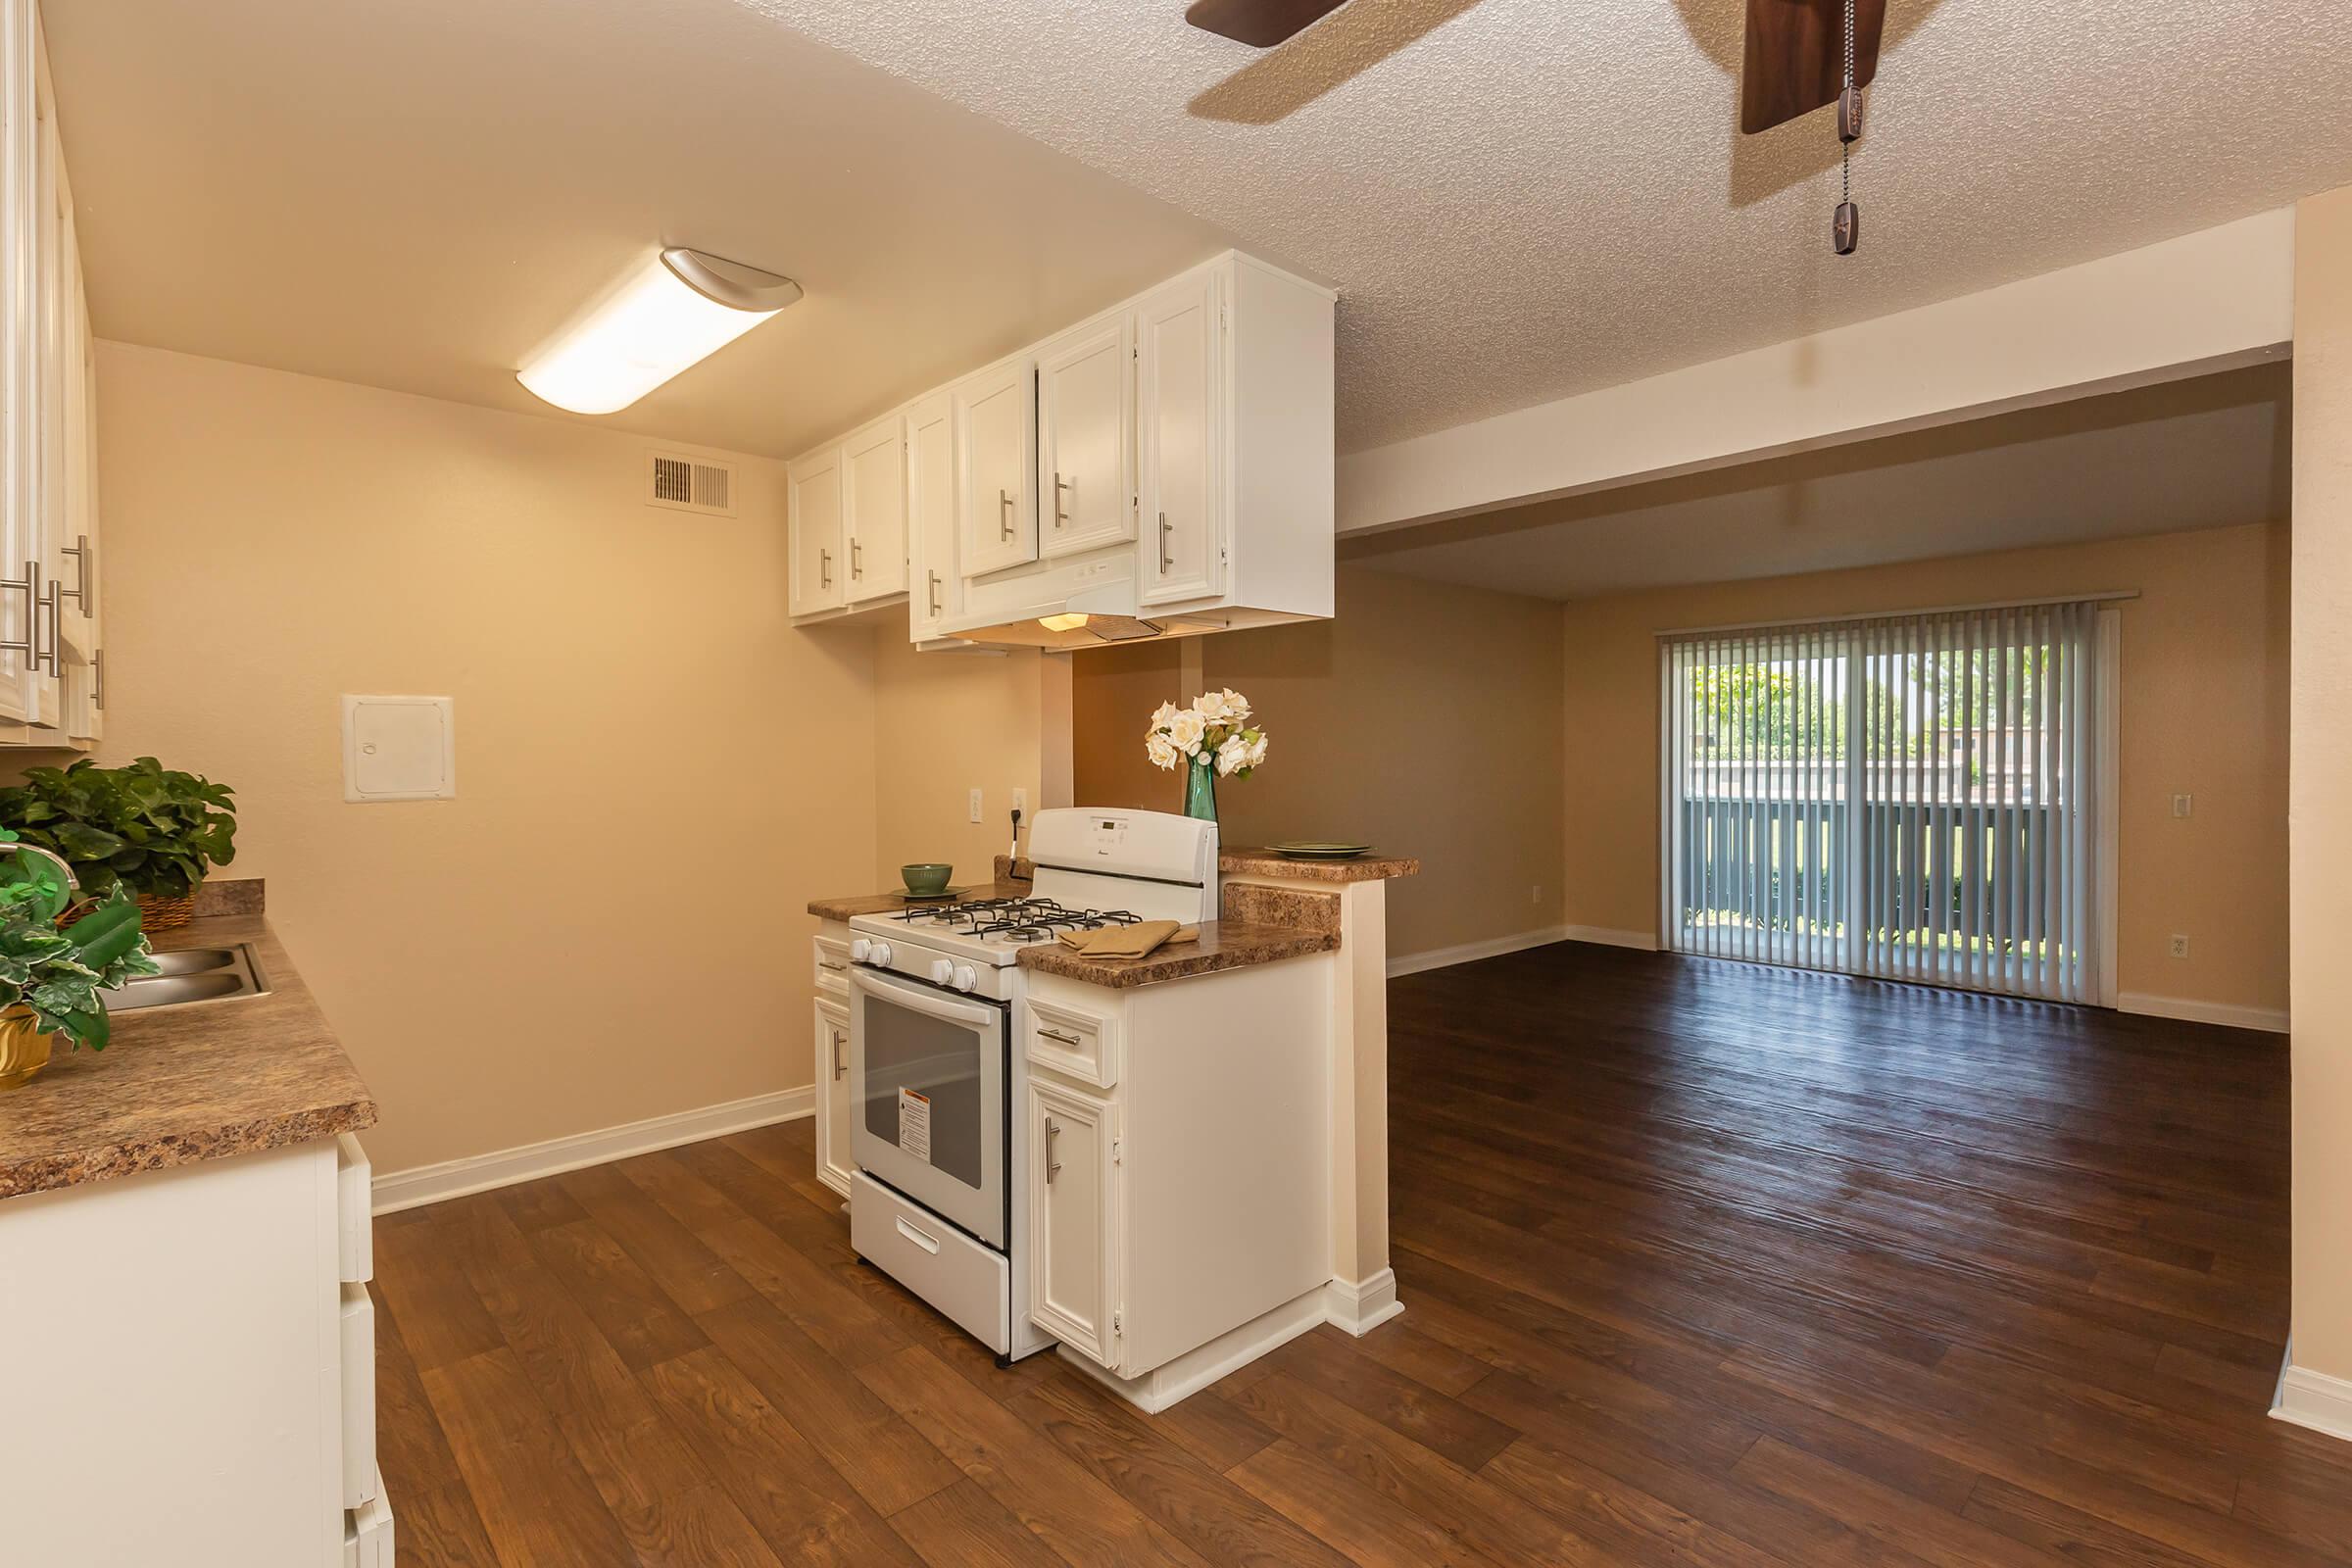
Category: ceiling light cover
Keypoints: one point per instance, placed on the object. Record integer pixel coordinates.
(680, 307)
(1066, 622)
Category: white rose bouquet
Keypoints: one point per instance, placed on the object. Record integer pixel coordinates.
(1213, 738)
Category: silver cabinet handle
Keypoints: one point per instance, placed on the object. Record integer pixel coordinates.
(822, 965)
(36, 599)
(98, 680)
(1167, 563)
(1071, 1041)
(1052, 1166)
(1059, 485)
(1003, 513)
(934, 576)
(838, 1067)
(856, 559)
(85, 591)
(825, 568)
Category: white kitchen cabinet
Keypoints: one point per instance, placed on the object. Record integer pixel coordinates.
(1074, 1135)
(934, 584)
(49, 650)
(996, 468)
(873, 467)
(1086, 437)
(1177, 1175)
(834, 1165)
(819, 575)
(213, 1402)
(1178, 360)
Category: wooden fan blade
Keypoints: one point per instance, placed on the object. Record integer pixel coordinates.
(1260, 24)
(1797, 56)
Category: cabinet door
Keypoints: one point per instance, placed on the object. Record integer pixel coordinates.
(819, 577)
(996, 436)
(1179, 376)
(833, 1163)
(1085, 435)
(1073, 1206)
(936, 590)
(873, 467)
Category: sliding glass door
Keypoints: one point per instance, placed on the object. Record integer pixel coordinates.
(1916, 796)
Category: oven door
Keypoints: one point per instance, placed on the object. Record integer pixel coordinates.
(927, 1097)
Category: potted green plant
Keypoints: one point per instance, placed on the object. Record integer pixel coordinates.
(50, 978)
(154, 830)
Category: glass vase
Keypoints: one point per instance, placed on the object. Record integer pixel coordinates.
(1200, 788)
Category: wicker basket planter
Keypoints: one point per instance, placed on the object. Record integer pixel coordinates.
(155, 915)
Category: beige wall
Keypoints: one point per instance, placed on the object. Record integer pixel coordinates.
(2321, 925)
(944, 723)
(655, 772)
(1426, 718)
(2204, 690)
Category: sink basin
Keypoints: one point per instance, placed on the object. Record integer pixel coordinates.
(191, 974)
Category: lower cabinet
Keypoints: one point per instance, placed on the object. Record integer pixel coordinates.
(834, 1163)
(1073, 1214)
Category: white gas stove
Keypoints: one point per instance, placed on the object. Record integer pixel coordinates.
(1093, 870)
(935, 1070)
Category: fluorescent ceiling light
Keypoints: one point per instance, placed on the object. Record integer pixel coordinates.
(683, 306)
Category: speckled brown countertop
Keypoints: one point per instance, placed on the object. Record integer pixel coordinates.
(185, 1084)
(893, 902)
(1223, 945)
(1366, 868)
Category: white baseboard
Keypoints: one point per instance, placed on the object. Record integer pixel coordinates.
(1362, 1305)
(1472, 952)
(2315, 1400)
(1646, 940)
(478, 1173)
(2227, 1015)
(1197, 1368)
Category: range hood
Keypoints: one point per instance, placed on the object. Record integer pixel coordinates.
(1083, 601)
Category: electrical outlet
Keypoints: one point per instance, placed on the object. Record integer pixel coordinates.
(2182, 805)
(975, 804)
(2179, 946)
(1020, 803)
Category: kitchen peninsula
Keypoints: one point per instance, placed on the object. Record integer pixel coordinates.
(1193, 1166)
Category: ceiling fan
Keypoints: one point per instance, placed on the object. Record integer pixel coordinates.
(1795, 48)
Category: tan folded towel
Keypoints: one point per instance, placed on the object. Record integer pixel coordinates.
(1128, 941)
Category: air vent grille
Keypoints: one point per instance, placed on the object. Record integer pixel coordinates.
(689, 483)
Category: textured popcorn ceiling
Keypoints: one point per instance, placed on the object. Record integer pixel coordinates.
(1525, 199)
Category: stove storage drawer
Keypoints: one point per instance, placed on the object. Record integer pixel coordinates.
(967, 1282)
(1071, 1041)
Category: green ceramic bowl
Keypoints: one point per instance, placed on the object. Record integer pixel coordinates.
(928, 879)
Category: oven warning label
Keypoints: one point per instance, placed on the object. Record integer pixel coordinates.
(914, 1124)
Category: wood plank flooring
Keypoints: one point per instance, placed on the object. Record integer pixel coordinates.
(1702, 1263)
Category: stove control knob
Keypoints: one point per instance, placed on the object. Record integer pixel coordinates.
(878, 955)
(942, 971)
(859, 949)
(965, 979)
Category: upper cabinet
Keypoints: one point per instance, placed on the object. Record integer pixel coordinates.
(1085, 441)
(995, 456)
(934, 591)
(1162, 469)
(818, 578)
(873, 468)
(52, 665)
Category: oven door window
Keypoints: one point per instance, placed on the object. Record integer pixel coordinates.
(930, 1072)
(927, 1097)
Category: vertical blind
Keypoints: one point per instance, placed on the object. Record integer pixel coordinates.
(1915, 797)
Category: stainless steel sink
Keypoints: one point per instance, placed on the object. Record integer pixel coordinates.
(191, 974)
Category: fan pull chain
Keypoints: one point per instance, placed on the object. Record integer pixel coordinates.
(1845, 228)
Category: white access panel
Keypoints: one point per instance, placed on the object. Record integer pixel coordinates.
(399, 749)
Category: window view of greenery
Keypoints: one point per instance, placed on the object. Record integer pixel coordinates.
(1951, 765)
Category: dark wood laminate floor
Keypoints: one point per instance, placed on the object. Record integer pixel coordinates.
(1703, 1264)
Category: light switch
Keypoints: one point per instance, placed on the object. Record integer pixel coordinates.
(399, 749)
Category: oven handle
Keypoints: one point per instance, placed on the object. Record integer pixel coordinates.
(916, 997)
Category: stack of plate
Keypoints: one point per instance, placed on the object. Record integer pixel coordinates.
(1307, 850)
